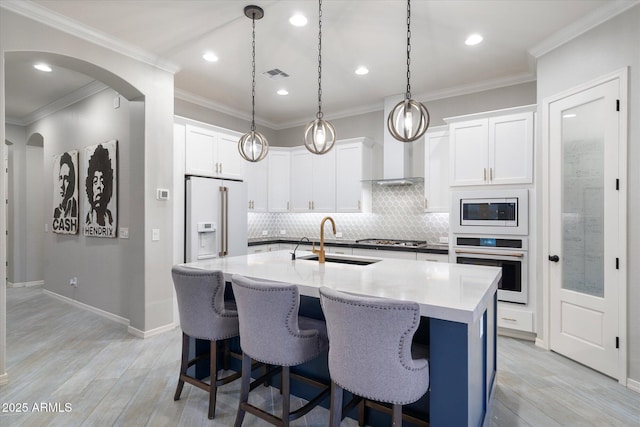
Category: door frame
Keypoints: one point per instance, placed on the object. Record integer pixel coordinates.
(622, 76)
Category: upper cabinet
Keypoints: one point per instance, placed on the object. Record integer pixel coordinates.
(353, 174)
(212, 152)
(279, 178)
(436, 170)
(313, 181)
(492, 148)
(257, 177)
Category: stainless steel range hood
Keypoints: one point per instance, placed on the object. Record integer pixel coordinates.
(402, 162)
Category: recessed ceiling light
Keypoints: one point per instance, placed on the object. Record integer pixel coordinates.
(210, 56)
(282, 92)
(298, 20)
(361, 71)
(42, 67)
(473, 40)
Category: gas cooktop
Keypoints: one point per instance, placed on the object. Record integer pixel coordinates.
(391, 242)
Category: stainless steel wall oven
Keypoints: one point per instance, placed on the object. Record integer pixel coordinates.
(510, 254)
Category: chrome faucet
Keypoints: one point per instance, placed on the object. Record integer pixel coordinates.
(320, 251)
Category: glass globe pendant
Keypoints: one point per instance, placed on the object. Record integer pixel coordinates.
(253, 146)
(409, 119)
(319, 135)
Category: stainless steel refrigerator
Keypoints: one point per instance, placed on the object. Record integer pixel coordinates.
(215, 217)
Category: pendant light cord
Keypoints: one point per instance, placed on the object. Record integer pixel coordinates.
(253, 73)
(319, 114)
(408, 94)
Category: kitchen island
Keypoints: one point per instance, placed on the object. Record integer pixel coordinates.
(458, 301)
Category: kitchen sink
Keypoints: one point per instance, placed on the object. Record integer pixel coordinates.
(342, 259)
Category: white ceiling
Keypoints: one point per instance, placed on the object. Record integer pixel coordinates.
(175, 33)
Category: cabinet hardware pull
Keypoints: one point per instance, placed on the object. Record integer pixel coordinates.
(426, 203)
(490, 174)
(484, 174)
(313, 206)
(220, 167)
(309, 205)
(505, 254)
(287, 205)
(509, 319)
(358, 204)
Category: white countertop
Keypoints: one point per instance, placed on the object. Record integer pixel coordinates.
(454, 292)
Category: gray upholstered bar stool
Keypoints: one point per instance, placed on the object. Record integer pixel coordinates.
(272, 332)
(370, 353)
(203, 315)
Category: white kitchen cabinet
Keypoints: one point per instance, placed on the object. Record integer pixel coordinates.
(279, 160)
(212, 152)
(381, 253)
(353, 172)
(257, 249)
(257, 178)
(313, 181)
(519, 319)
(338, 250)
(492, 148)
(436, 171)
(421, 256)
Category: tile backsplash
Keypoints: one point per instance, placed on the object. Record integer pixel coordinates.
(397, 213)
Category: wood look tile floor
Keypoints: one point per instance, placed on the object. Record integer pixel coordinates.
(59, 354)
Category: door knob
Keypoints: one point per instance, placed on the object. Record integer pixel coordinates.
(554, 258)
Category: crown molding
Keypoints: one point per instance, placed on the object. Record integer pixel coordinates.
(212, 105)
(477, 87)
(60, 22)
(581, 26)
(64, 102)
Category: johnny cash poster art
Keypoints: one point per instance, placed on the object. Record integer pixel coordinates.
(100, 207)
(65, 193)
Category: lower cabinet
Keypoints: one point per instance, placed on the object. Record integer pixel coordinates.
(256, 249)
(338, 250)
(515, 318)
(376, 253)
(432, 257)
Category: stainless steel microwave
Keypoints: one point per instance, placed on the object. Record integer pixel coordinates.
(491, 211)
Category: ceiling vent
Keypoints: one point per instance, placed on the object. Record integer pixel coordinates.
(275, 74)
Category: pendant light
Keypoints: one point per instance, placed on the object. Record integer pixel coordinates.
(253, 146)
(319, 135)
(409, 119)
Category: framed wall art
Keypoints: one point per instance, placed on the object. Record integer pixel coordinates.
(65, 193)
(100, 206)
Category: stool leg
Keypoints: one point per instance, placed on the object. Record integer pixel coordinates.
(286, 396)
(397, 416)
(227, 355)
(213, 370)
(183, 365)
(244, 388)
(361, 413)
(335, 412)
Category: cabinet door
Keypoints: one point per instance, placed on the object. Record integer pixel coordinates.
(256, 176)
(200, 151)
(302, 174)
(469, 152)
(436, 173)
(324, 182)
(231, 164)
(348, 178)
(377, 253)
(511, 149)
(279, 181)
(421, 256)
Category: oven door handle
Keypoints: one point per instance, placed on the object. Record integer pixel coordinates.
(510, 254)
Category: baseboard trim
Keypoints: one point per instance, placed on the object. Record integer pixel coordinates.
(4, 379)
(633, 385)
(91, 308)
(541, 343)
(25, 284)
(147, 334)
(513, 333)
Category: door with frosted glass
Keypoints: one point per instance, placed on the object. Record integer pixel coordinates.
(583, 227)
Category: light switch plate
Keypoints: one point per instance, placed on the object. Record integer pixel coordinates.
(124, 232)
(155, 234)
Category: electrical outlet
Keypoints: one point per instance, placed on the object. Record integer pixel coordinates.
(283, 232)
(444, 239)
(339, 235)
(73, 282)
(265, 233)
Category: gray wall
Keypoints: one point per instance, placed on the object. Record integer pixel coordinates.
(100, 264)
(602, 50)
(16, 225)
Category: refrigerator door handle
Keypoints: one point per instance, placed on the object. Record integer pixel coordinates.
(224, 221)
